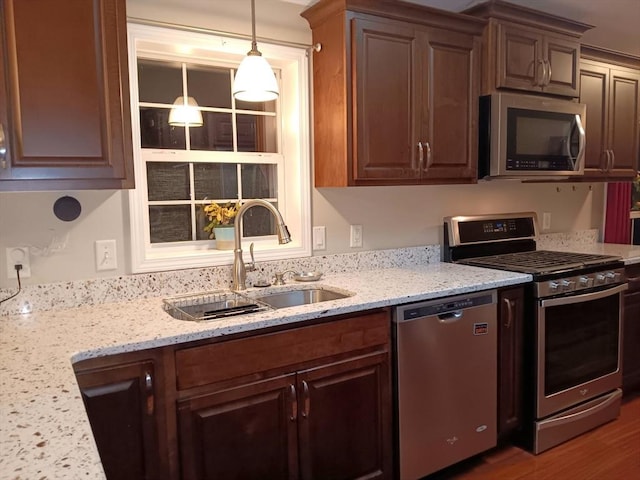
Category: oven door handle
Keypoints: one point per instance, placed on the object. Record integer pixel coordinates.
(585, 297)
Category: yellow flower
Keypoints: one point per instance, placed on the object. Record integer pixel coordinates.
(218, 214)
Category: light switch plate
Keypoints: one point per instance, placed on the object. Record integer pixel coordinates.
(106, 255)
(319, 238)
(355, 240)
(546, 221)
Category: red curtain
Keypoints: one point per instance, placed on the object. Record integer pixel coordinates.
(617, 225)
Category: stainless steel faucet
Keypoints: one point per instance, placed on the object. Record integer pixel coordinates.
(239, 269)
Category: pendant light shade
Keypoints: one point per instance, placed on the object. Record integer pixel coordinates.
(254, 80)
(185, 113)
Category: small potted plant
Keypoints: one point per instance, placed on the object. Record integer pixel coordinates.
(220, 226)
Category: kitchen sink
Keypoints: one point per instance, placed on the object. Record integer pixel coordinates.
(294, 298)
(214, 305)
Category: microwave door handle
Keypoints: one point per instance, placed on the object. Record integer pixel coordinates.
(581, 145)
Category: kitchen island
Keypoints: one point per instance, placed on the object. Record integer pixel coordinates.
(44, 431)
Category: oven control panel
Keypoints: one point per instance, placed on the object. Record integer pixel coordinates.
(564, 285)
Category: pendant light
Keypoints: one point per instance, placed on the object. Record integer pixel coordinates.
(185, 112)
(254, 80)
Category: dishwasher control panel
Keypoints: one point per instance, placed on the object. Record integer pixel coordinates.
(443, 306)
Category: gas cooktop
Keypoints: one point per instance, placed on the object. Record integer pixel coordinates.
(541, 261)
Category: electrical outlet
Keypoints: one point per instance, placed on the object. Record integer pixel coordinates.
(106, 255)
(356, 236)
(18, 255)
(319, 238)
(546, 221)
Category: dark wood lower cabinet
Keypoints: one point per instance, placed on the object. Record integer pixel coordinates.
(312, 402)
(330, 421)
(631, 332)
(510, 360)
(120, 403)
(244, 432)
(344, 419)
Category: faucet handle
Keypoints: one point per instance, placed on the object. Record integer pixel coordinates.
(279, 277)
(251, 267)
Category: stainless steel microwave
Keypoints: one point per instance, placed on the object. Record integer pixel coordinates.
(524, 136)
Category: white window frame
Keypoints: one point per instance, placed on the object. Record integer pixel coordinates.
(294, 178)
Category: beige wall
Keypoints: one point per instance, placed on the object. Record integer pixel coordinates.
(390, 216)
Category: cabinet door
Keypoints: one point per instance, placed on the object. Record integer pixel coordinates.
(594, 92)
(623, 133)
(450, 85)
(562, 76)
(510, 359)
(387, 101)
(244, 433)
(519, 58)
(120, 403)
(68, 113)
(631, 333)
(345, 419)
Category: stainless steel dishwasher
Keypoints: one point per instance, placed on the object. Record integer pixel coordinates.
(446, 381)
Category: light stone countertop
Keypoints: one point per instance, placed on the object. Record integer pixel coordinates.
(630, 254)
(44, 431)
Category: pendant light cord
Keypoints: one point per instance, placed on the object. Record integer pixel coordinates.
(254, 44)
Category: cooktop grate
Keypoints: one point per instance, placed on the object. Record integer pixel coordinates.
(541, 261)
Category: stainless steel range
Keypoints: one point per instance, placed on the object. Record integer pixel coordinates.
(573, 332)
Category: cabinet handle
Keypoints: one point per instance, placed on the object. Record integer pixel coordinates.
(294, 403)
(305, 395)
(613, 160)
(536, 80)
(428, 157)
(148, 385)
(509, 320)
(420, 155)
(548, 80)
(3, 148)
(607, 161)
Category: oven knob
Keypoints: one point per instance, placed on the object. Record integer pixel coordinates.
(554, 286)
(568, 285)
(600, 279)
(610, 277)
(586, 282)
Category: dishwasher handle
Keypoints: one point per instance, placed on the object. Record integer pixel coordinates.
(450, 317)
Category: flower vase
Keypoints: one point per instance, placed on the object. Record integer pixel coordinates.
(224, 237)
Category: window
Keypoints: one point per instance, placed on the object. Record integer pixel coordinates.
(195, 144)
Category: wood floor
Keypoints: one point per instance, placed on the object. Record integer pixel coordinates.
(610, 452)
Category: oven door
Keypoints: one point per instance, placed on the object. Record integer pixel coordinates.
(579, 340)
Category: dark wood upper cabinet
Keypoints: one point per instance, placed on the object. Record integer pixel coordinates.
(65, 95)
(529, 50)
(395, 94)
(610, 87)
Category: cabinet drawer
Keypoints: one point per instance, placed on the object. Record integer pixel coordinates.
(208, 364)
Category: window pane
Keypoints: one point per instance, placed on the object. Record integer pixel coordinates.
(155, 131)
(259, 181)
(201, 222)
(169, 223)
(159, 82)
(168, 181)
(211, 87)
(215, 134)
(258, 221)
(215, 181)
(257, 134)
